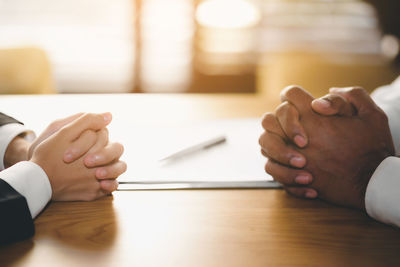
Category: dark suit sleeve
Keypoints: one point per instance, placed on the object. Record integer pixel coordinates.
(16, 222)
(4, 119)
(15, 218)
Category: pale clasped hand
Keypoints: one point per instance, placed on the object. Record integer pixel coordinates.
(327, 148)
(77, 157)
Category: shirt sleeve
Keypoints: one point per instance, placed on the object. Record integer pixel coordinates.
(388, 99)
(8, 132)
(382, 198)
(29, 179)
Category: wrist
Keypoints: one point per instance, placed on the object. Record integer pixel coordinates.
(16, 151)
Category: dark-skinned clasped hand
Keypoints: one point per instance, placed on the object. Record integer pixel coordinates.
(328, 147)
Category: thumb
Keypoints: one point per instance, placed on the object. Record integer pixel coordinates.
(51, 129)
(298, 97)
(332, 104)
(88, 121)
(358, 97)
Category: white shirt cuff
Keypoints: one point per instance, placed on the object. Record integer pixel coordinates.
(29, 179)
(7, 133)
(382, 198)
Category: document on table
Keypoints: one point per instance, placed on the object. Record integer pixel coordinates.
(236, 163)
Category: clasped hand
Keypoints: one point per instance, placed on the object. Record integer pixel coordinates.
(328, 147)
(76, 155)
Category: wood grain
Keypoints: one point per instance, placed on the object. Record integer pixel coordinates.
(205, 227)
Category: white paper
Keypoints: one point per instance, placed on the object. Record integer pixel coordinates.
(237, 160)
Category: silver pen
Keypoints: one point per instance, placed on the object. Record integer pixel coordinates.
(195, 148)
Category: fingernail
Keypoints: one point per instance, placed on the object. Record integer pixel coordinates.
(300, 140)
(101, 173)
(107, 117)
(297, 161)
(68, 157)
(311, 194)
(303, 179)
(93, 159)
(323, 103)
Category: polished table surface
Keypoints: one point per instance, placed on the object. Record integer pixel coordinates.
(194, 227)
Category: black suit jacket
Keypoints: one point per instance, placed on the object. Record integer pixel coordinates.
(15, 218)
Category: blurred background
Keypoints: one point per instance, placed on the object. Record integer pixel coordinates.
(196, 46)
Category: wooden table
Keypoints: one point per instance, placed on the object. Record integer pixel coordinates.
(198, 227)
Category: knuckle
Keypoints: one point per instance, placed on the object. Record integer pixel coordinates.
(88, 116)
(118, 169)
(268, 116)
(264, 153)
(120, 148)
(116, 184)
(263, 140)
(383, 116)
(282, 109)
(291, 91)
(103, 134)
(268, 168)
(333, 98)
(124, 166)
(378, 115)
(289, 120)
(268, 120)
(337, 102)
(356, 91)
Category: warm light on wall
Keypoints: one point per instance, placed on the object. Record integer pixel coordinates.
(90, 43)
(166, 45)
(227, 14)
(226, 38)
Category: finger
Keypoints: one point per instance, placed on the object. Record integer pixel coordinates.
(273, 140)
(80, 146)
(275, 148)
(102, 141)
(109, 186)
(92, 192)
(358, 97)
(270, 123)
(88, 121)
(51, 129)
(303, 192)
(58, 124)
(86, 190)
(289, 120)
(100, 194)
(297, 96)
(288, 176)
(333, 105)
(106, 155)
(111, 171)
